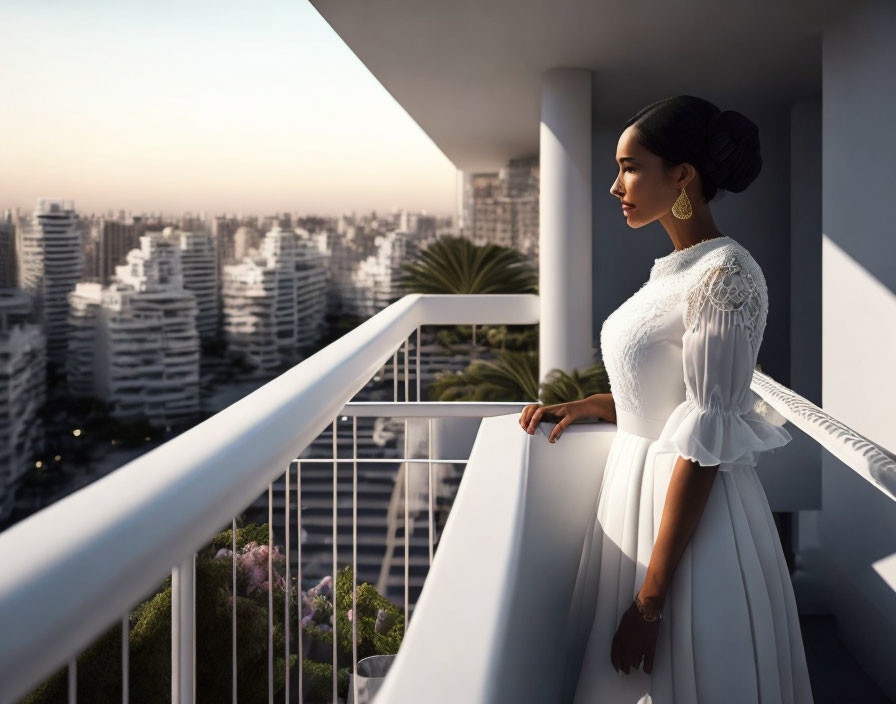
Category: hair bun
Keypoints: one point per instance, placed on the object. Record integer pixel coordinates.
(733, 158)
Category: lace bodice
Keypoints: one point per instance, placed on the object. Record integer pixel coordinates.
(680, 355)
(642, 339)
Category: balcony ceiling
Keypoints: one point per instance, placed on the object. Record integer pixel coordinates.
(467, 71)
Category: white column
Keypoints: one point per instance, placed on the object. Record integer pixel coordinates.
(565, 220)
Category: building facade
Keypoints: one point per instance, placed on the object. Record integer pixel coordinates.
(274, 303)
(22, 391)
(134, 343)
(51, 259)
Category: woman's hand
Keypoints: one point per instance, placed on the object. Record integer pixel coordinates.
(560, 413)
(635, 637)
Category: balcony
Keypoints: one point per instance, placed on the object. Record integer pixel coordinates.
(148, 519)
(81, 565)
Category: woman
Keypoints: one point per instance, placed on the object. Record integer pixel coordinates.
(683, 567)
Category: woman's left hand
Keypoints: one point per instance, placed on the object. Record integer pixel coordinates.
(635, 637)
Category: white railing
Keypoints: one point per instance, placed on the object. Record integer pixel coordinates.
(874, 463)
(148, 518)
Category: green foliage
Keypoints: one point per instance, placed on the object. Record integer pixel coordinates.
(456, 265)
(514, 377)
(560, 386)
(370, 601)
(99, 671)
(320, 675)
(511, 337)
(447, 337)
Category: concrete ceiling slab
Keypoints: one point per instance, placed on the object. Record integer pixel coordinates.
(468, 71)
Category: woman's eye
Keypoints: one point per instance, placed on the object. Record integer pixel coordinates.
(629, 168)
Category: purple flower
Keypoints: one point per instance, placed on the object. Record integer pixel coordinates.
(323, 587)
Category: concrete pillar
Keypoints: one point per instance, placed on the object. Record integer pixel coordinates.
(565, 220)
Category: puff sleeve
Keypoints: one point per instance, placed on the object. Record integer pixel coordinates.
(724, 316)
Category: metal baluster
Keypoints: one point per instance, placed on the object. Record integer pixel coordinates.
(300, 645)
(395, 375)
(270, 594)
(183, 612)
(418, 362)
(355, 555)
(233, 613)
(193, 629)
(287, 592)
(333, 583)
(407, 471)
(431, 519)
(125, 633)
(73, 680)
(407, 474)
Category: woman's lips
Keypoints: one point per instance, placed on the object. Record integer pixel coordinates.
(627, 208)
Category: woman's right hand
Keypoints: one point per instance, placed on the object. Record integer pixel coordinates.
(560, 413)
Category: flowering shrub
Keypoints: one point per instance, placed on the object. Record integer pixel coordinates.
(380, 629)
(252, 565)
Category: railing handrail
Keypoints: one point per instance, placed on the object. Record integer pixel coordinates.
(130, 527)
(871, 461)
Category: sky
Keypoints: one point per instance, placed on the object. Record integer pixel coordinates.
(190, 105)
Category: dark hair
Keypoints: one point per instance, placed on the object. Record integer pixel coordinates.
(722, 145)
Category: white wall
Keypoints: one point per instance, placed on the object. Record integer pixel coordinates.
(858, 524)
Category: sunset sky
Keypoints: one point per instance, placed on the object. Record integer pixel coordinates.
(192, 105)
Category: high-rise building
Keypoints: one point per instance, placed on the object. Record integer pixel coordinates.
(111, 242)
(51, 262)
(197, 256)
(502, 208)
(22, 390)
(273, 304)
(7, 251)
(134, 343)
(374, 281)
(311, 289)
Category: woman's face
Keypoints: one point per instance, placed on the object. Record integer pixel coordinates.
(645, 190)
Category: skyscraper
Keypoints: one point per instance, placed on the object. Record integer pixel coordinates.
(22, 390)
(7, 251)
(274, 304)
(502, 208)
(51, 263)
(134, 343)
(197, 256)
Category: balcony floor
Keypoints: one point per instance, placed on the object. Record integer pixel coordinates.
(836, 676)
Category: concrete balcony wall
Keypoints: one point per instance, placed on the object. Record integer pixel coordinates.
(857, 528)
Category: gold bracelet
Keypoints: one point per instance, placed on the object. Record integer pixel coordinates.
(642, 609)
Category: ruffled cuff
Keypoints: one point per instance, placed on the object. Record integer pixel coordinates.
(716, 436)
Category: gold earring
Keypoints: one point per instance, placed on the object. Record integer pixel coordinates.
(682, 206)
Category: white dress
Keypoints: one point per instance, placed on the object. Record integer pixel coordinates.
(680, 355)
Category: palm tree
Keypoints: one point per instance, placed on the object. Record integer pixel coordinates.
(456, 265)
(514, 377)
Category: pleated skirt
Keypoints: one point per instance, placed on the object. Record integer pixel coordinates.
(730, 631)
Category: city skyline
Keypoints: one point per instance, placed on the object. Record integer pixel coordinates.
(181, 108)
